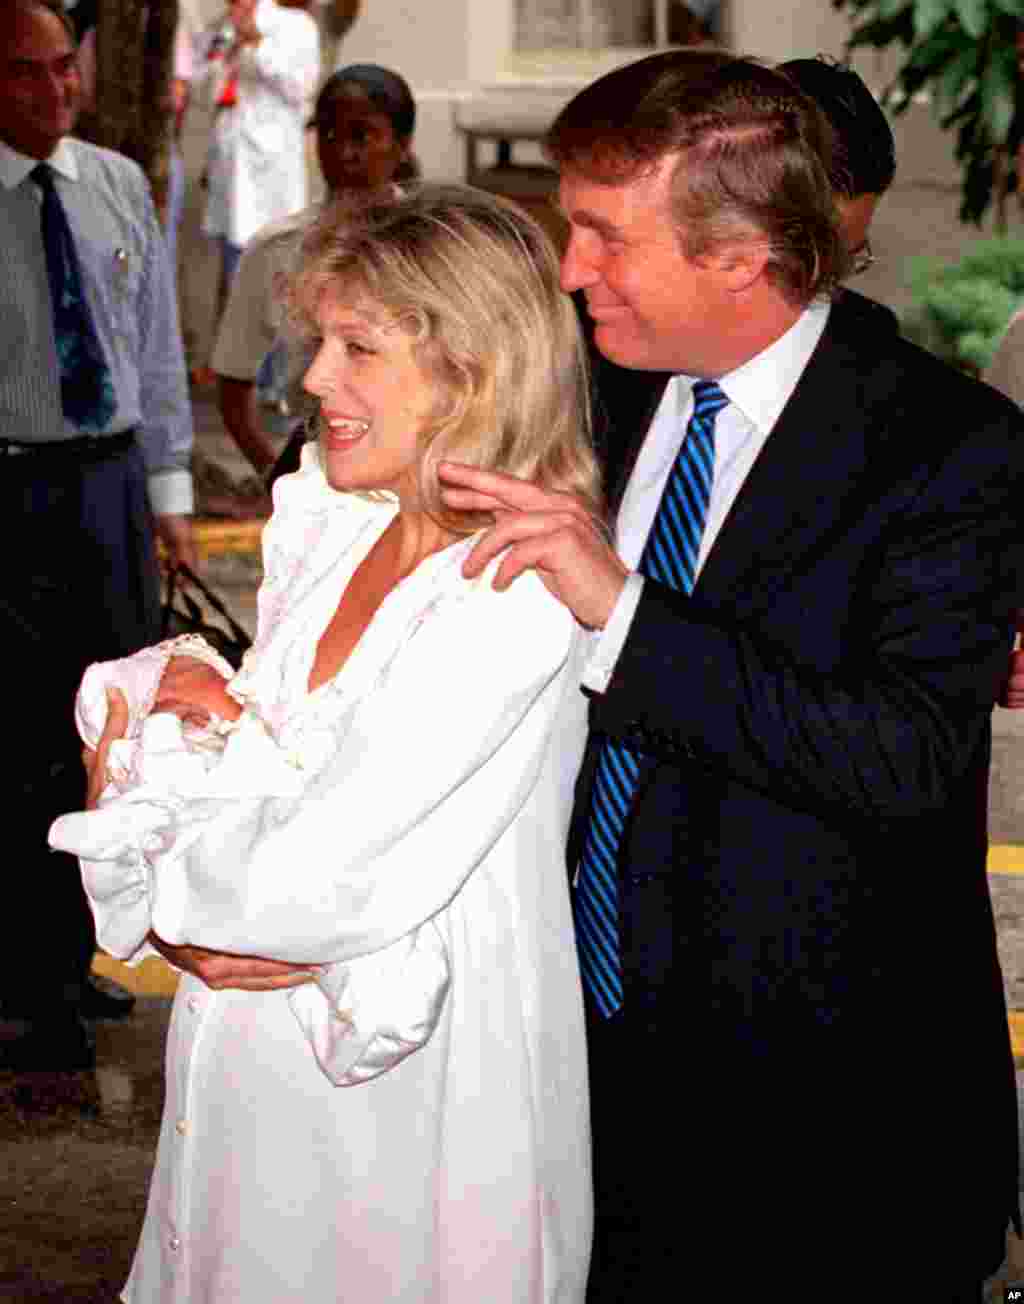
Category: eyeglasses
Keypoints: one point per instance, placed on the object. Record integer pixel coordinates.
(863, 258)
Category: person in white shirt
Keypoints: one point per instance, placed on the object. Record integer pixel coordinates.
(392, 1108)
(260, 62)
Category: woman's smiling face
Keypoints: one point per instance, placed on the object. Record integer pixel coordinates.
(376, 399)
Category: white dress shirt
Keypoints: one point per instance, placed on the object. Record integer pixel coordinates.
(127, 279)
(757, 392)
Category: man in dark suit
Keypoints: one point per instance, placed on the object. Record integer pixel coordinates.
(801, 1076)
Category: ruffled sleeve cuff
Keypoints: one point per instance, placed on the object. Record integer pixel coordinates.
(111, 845)
(363, 1017)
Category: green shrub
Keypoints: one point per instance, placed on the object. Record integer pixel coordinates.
(968, 304)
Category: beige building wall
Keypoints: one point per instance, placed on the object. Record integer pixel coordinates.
(785, 29)
(452, 51)
(431, 45)
(458, 57)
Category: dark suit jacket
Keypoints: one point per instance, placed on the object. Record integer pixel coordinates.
(804, 902)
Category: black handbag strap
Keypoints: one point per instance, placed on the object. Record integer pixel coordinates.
(184, 570)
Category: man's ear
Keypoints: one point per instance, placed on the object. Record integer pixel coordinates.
(739, 266)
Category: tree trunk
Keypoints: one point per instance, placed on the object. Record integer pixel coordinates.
(339, 15)
(134, 46)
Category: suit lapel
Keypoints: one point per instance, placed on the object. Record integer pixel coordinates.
(795, 495)
(798, 491)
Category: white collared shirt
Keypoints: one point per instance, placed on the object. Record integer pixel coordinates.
(757, 392)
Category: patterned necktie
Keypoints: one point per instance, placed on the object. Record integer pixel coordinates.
(670, 556)
(86, 385)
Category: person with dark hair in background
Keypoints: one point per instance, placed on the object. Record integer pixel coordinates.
(95, 440)
(364, 120)
(778, 846)
(863, 160)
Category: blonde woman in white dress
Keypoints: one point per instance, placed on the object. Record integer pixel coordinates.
(379, 1091)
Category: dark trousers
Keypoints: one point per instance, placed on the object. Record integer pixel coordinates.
(687, 1209)
(640, 1194)
(81, 585)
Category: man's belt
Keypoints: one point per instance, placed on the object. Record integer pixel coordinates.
(82, 448)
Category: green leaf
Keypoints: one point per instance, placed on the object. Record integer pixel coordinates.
(1015, 8)
(973, 15)
(890, 8)
(957, 75)
(928, 14)
(880, 34)
(998, 98)
(932, 54)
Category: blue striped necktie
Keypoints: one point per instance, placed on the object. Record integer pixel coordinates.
(669, 556)
(86, 385)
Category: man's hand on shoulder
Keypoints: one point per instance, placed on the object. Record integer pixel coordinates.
(551, 533)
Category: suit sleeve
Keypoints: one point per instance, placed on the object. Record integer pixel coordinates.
(887, 731)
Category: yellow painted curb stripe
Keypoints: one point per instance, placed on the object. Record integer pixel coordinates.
(227, 536)
(1006, 860)
(1017, 1036)
(153, 977)
(216, 537)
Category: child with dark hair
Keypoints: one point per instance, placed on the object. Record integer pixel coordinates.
(364, 117)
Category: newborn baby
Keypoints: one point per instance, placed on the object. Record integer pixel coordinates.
(156, 741)
(361, 1017)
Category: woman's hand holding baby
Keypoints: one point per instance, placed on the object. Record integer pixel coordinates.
(95, 762)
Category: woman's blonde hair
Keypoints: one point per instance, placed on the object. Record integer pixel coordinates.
(475, 281)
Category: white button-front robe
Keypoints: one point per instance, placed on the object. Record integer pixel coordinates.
(413, 1126)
